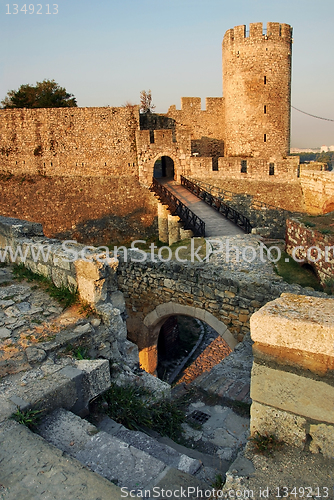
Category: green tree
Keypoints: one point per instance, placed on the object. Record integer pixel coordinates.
(45, 94)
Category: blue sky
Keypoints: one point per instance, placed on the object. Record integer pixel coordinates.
(106, 52)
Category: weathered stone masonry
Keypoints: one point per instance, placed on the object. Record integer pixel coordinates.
(310, 247)
(229, 297)
(292, 377)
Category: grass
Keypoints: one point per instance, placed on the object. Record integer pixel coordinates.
(80, 352)
(322, 223)
(29, 418)
(86, 309)
(265, 444)
(136, 408)
(218, 482)
(63, 295)
(292, 272)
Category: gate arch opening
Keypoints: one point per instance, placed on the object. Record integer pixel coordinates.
(154, 320)
(164, 168)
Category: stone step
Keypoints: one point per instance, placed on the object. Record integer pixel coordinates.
(106, 454)
(146, 443)
(230, 379)
(101, 452)
(33, 469)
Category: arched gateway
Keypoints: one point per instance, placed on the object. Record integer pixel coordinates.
(154, 320)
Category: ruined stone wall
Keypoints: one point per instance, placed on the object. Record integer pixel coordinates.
(95, 210)
(145, 285)
(292, 384)
(318, 191)
(257, 90)
(311, 248)
(69, 141)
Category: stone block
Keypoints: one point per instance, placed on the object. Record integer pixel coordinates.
(296, 322)
(292, 393)
(96, 378)
(284, 426)
(322, 439)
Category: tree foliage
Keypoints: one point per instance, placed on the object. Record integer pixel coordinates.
(46, 94)
(146, 104)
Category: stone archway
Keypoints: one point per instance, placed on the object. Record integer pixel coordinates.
(154, 320)
(164, 168)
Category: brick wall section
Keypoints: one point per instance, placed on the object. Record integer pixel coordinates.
(298, 235)
(69, 141)
(257, 73)
(88, 209)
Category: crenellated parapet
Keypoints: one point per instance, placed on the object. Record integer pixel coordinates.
(256, 33)
(257, 90)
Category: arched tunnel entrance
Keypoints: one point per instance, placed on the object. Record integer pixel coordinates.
(164, 168)
(186, 348)
(165, 338)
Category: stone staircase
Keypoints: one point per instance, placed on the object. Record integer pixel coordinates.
(230, 379)
(129, 459)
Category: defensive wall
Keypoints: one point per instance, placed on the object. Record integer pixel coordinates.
(84, 172)
(96, 210)
(68, 141)
(318, 191)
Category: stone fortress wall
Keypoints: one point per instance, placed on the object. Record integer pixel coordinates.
(86, 170)
(69, 141)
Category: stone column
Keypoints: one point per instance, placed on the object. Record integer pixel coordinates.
(173, 229)
(163, 222)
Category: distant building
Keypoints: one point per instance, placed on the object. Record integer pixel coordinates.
(304, 150)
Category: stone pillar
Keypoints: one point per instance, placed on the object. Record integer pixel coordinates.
(292, 384)
(173, 229)
(96, 279)
(163, 222)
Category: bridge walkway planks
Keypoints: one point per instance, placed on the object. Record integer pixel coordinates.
(215, 223)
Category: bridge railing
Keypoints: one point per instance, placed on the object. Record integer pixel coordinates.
(190, 220)
(218, 204)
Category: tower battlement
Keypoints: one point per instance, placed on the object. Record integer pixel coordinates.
(274, 32)
(257, 90)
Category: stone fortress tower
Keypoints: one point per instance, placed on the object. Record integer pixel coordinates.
(257, 91)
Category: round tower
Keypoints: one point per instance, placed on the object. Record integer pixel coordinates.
(257, 90)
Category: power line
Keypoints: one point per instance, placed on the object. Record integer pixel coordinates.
(313, 116)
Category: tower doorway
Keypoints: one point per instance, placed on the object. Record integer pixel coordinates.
(164, 168)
